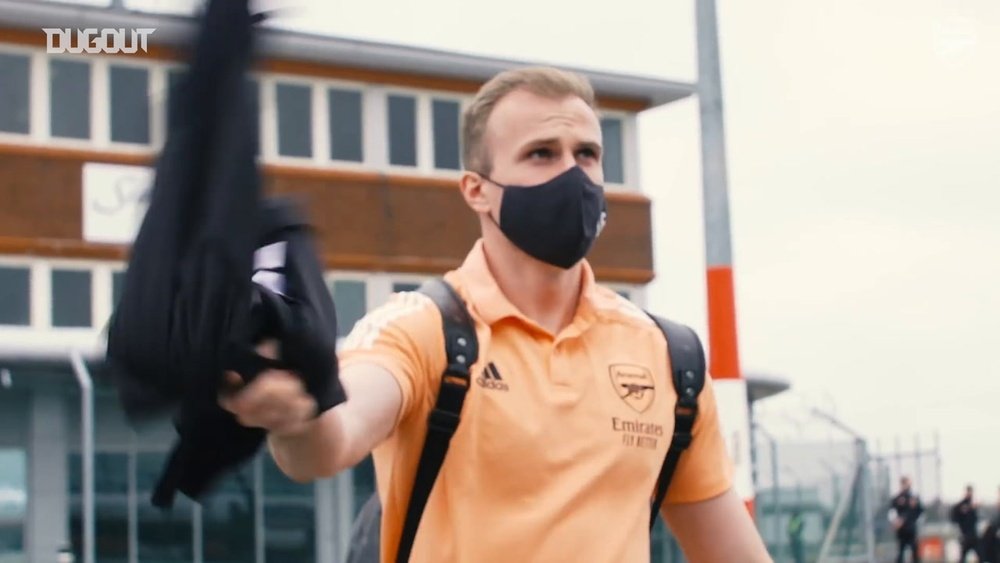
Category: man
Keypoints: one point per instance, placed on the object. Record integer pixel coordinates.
(795, 529)
(906, 508)
(552, 465)
(966, 515)
(989, 548)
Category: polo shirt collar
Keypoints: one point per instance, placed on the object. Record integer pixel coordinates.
(491, 305)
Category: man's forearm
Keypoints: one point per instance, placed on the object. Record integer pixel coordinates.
(315, 452)
(342, 436)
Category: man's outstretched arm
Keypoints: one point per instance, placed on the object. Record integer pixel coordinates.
(307, 448)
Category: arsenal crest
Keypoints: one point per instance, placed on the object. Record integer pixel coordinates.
(634, 384)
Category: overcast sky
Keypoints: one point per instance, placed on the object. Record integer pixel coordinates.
(863, 152)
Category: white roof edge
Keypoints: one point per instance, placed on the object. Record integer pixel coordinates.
(172, 30)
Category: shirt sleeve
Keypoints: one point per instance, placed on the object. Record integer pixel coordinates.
(704, 470)
(405, 338)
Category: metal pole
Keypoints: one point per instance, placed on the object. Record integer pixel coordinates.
(937, 464)
(867, 504)
(87, 442)
(713, 140)
(777, 512)
(724, 353)
(258, 510)
(754, 461)
(899, 460)
(724, 360)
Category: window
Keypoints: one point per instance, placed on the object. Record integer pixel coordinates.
(15, 99)
(294, 120)
(163, 536)
(228, 526)
(362, 483)
(399, 287)
(111, 477)
(15, 296)
(663, 546)
(129, 104)
(614, 167)
(349, 295)
(345, 124)
(402, 130)
(69, 102)
(445, 118)
(117, 286)
(71, 298)
(14, 506)
(289, 517)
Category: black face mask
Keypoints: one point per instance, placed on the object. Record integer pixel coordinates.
(557, 221)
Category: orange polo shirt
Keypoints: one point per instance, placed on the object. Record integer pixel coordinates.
(562, 437)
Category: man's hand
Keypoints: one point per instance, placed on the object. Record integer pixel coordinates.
(276, 400)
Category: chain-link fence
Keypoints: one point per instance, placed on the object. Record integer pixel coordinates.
(823, 492)
(827, 499)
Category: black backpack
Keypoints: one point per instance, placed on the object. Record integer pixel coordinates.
(462, 350)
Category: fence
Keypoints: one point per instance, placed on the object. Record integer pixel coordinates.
(839, 488)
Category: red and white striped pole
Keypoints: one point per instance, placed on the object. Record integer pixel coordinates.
(724, 358)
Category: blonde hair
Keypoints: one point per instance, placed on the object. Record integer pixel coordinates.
(539, 80)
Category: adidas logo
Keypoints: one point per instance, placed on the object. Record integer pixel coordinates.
(490, 379)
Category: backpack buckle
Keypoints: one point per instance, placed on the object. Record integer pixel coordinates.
(442, 421)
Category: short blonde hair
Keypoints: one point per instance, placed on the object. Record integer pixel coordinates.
(539, 80)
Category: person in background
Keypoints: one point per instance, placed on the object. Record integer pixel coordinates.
(989, 547)
(906, 508)
(795, 525)
(965, 514)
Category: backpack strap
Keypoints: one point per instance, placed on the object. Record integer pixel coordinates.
(687, 365)
(462, 350)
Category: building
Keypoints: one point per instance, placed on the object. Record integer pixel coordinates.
(367, 133)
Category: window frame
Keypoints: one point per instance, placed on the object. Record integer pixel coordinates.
(70, 266)
(425, 131)
(420, 148)
(325, 85)
(151, 70)
(94, 139)
(629, 158)
(331, 276)
(26, 263)
(315, 133)
(463, 102)
(33, 102)
(374, 118)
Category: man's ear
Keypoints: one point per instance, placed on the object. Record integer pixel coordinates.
(473, 190)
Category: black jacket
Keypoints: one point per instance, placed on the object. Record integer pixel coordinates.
(194, 303)
(989, 548)
(966, 516)
(908, 508)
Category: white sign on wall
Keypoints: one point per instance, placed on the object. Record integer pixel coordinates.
(115, 199)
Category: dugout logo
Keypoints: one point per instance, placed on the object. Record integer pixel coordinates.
(93, 40)
(634, 385)
(491, 379)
